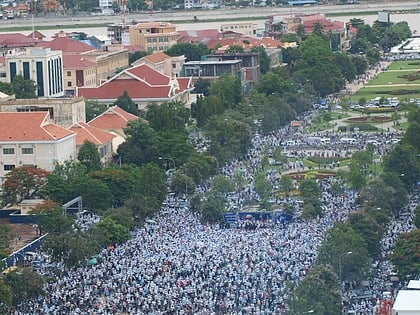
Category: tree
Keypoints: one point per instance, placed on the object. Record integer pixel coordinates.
(93, 109)
(6, 297)
(201, 86)
(132, 57)
(121, 182)
(6, 237)
(318, 291)
(286, 184)
(310, 192)
(405, 254)
(212, 207)
(114, 232)
(25, 285)
(126, 103)
(23, 182)
(192, 52)
(228, 87)
(417, 216)
(167, 116)
(262, 186)
(63, 181)
(342, 238)
(182, 183)
(140, 145)
(223, 184)
(24, 88)
(51, 219)
(371, 231)
(264, 59)
(89, 156)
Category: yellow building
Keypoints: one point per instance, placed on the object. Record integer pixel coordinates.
(153, 36)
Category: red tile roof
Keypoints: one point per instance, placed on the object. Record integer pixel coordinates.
(195, 36)
(87, 132)
(148, 74)
(67, 45)
(140, 82)
(16, 40)
(114, 118)
(32, 126)
(156, 57)
(76, 61)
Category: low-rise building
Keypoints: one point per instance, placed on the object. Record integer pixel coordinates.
(143, 84)
(31, 139)
(100, 138)
(63, 112)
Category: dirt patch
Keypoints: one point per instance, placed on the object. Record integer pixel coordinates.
(24, 234)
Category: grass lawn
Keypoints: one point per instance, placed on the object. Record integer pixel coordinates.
(410, 64)
(371, 92)
(389, 78)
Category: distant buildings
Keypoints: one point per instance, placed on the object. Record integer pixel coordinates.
(43, 66)
(153, 36)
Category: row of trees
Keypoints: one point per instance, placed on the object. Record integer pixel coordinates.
(380, 199)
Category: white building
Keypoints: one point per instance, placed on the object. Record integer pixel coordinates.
(407, 303)
(30, 139)
(41, 65)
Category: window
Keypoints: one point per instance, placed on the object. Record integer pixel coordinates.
(27, 150)
(69, 83)
(8, 151)
(8, 167)
(69, 73)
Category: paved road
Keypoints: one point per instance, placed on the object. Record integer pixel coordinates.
(212, 14)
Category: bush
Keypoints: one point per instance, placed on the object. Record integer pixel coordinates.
(362, 127)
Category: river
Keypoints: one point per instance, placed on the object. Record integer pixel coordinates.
(413, 20)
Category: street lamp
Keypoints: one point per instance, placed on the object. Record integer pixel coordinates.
(339, 271)
(307, 312)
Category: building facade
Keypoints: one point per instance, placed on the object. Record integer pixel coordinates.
(33, 141)
(153, 36)
(63, 112)
(43, 66)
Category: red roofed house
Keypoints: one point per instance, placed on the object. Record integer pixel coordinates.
(280, 24)
(171, 66)
(144, 85)
(31, 139)
(114, 120)
(100, 138)
(85, 65)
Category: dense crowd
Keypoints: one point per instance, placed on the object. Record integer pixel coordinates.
(177, 265)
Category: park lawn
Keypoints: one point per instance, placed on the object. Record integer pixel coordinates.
(374, 91)
(388, 78)
(409, 64)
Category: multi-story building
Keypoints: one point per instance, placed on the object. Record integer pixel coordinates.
(161, 62)
(153, 36)
(63, 112)
(43, 66)
(244, 28)
(31, 139)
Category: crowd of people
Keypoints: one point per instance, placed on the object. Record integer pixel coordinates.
(175, 264)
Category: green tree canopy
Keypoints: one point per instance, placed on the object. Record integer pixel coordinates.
(342, 238)
(405, 255)
(318, 291)
(192, 52)
(89, 156)
(24, 88)
(126, 103)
